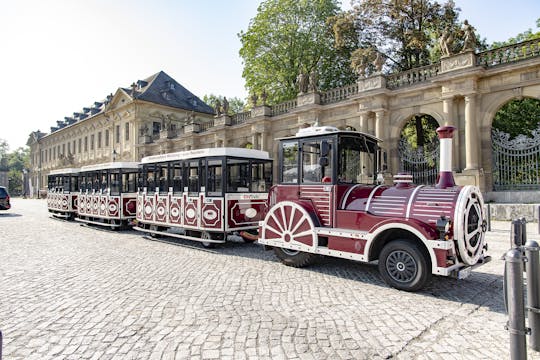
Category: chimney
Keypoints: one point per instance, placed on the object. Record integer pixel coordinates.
(446, 178)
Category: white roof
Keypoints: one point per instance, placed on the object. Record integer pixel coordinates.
(65, 171)
(111, 165)
(201, 153)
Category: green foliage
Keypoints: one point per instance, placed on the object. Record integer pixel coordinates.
(420, 130)
(524, 36)
(236, 104)
(518, 117)
(4, 147)
(288, 37)
(14, 162)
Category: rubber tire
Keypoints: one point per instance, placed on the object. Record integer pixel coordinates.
(155, 228)
(300, 259)
(422, 262)
(212, 236)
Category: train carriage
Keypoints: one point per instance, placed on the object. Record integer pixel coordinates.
(204, 195)
(62, 193)
(328, 202)
(108, 194)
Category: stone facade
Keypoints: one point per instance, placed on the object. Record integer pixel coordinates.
(463, 90)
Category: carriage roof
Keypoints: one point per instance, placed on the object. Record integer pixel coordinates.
(111, 165)
(209, 152)
(65, 171)
(328, 130)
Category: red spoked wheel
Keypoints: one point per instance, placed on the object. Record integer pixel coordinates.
(291, 230)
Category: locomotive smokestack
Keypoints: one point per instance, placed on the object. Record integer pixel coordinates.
(446, 178)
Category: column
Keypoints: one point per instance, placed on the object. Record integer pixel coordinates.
(255, 141)
(380, 132)
(363, 157)
(471, 133)
(450, 119)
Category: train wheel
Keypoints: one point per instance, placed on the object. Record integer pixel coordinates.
(404, 266)
(295, 258)
(210, 236)
(155, 228)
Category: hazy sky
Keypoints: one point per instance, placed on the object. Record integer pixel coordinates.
(58, 56)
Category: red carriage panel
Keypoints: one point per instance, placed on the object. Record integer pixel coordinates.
(161, 208)
(191, 211)
(148, 208)
(175, 210)
(113, 208)
(212, 214)
(245, 210)
(103, 208)
(129, 206)
(94, 201)
(140, 207)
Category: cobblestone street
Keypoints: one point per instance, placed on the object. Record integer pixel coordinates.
(73, 292)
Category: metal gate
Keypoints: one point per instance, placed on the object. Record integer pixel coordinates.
(516, 162)
(421, 163)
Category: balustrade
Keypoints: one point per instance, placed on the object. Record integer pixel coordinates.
(508, 54)
(339, 94)
(283, 107)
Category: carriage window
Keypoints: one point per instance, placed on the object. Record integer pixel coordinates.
(115, 184)
(215, 178)
(74, 186)
(193, 178)
(65, 186)
(96, 182)
(129, 183)
(356, 163)
(150, 181)
(104, 178)
(290, 162)
(176, 175)
(238, 175)
(163, 178)
(261, 176)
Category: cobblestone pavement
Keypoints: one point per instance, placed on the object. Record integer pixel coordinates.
(73, 292)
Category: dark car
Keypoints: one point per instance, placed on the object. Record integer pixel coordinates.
(4, 199)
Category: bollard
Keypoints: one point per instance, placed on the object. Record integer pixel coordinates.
(488, 217)
(516, 236)
(538, 213)
(523, 231)
(532, 253)
(516, 306)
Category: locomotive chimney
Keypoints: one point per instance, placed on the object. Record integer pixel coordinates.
(446, 178)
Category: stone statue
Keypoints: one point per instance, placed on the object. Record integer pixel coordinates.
(378, 62)
(445, 42)
(254, 99)
(313, 79)
(225, 106)
(217, 107)
(469, 39)
(263, 97)
(302, 82)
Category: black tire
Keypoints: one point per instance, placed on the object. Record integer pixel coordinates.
(156, 228)
(295, 258)
(211, 236)
(404, 266)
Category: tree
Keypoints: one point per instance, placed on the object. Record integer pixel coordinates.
(4, 147)
(236, 104)
(17, 161)
(518, 117)
(405, 31)
(287, 38)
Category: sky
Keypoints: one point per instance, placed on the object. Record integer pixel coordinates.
(58, 56)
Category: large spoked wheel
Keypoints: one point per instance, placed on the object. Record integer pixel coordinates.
(295, 258)
(404, 266)
(206, 235)
(470, 225)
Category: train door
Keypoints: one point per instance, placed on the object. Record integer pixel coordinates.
(192, 192)
(162, 193)
(149, 190)
(176, 193)
(212, 204)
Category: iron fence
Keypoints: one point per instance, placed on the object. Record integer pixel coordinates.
(421, 162)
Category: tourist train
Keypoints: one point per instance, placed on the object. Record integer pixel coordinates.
(329, 200)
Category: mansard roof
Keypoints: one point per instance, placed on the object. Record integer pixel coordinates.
(159, 88)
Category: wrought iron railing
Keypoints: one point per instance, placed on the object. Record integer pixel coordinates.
(510, 53)
(412, 76)
(283, 107)
(516, 162)
(421, 163)
(240, 118)
(339, 94)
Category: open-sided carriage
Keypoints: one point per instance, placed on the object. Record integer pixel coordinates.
(108, 194)
(62, 192)
(204, 195)
(328, 202)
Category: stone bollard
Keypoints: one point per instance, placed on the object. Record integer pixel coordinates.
(513, 278)
(532, 266)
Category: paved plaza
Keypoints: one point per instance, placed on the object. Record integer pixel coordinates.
(72, 292)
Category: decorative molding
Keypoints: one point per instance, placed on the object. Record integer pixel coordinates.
(308, 99)
(457, 62)
(372, 83)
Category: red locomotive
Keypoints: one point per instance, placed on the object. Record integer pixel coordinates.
(108, 194)
(62, 193)
(327, 202)
(204, 195)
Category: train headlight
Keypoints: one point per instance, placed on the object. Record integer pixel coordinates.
(443, 226)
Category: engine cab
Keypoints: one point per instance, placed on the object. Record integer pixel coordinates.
(329, 201)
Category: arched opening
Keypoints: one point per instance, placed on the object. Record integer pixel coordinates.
(515, 139)
(418, 149)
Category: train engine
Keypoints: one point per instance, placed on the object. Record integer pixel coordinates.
(328, 202)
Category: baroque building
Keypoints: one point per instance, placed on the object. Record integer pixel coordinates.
(157, 115)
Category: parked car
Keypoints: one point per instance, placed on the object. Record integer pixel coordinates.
(4, 199)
